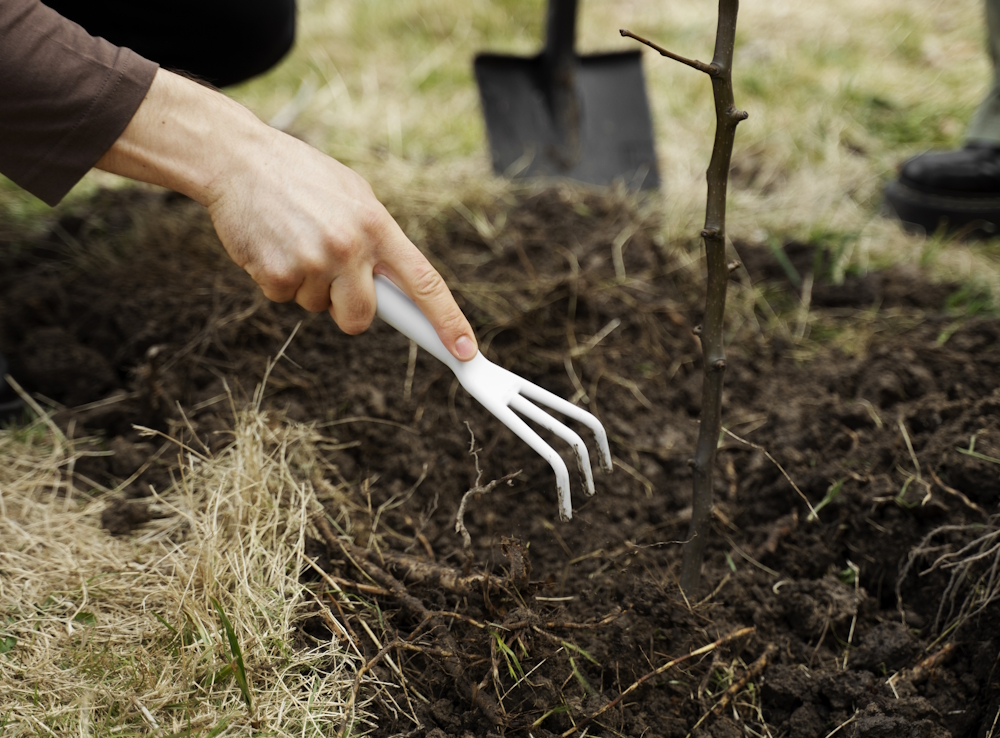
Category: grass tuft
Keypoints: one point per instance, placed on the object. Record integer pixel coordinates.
(102, 635)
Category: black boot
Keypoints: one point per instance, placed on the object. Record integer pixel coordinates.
(10, 403)
(959, 190)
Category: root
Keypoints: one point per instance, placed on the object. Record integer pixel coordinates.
(366, 562)
(813, 514)
(413, 570)
(923, 669)
(383, 652)
(389, 572)
(430, 574)
(755, 670)
(974, 582)
(656, 672)
(477, 489)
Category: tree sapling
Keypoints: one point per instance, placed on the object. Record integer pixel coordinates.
(727, 117)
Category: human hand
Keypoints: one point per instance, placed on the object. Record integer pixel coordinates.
(309, 229)
(304, 226)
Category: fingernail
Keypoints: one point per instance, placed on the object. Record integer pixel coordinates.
(465, 347)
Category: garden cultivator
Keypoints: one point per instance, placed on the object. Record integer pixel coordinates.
(504, 394)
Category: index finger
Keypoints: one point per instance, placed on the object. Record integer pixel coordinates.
(415, 275)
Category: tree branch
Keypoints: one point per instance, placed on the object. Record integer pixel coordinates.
(710, 69)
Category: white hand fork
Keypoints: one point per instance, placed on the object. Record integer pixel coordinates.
(502, 393)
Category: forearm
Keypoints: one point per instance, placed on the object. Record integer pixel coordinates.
(187, 138)
(303, 225)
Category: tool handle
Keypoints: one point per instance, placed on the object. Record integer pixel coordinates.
(560, 33)
(399, 311)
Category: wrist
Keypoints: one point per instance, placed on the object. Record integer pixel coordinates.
(188, 138)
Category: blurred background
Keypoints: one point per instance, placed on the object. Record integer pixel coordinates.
(839, 92)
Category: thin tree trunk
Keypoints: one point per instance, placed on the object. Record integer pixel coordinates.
(727, 117)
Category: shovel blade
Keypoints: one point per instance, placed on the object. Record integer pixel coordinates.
(613, 135)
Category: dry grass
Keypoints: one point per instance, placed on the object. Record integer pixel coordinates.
(102, 635)
(839, 93)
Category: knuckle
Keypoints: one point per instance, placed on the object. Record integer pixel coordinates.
(428, 283)
(311, 260)
(454, 322)
(280, 280)
(277, 284)
(374, 222)
(275, 295)
(339, 251)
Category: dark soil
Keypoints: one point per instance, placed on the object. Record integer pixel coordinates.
(127, 311)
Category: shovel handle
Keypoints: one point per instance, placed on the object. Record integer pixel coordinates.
(560, 33)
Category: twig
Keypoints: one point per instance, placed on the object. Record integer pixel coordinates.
(752, 672)
(813, 515)
(717, 589)
(956, 493)
(656, 672)
(854, 620)
(45, 417)
(919, 672)
(370, 589)
(842, 725)
(822, 635)
(383, 652)
(635, 474)
(993, 727)
(606, 331)
(459, 616)
(909, 445)
(710, 69)
(607, 619)
(751, 560)
(755, 670)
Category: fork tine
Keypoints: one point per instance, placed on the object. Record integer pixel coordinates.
(523, 431)
(543, 396)
(536, 414)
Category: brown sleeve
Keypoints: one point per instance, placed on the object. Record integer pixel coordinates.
(65, 97)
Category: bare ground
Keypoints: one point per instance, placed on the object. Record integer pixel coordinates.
(127, 313)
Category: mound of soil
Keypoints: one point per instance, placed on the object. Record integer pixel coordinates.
(874, 617)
